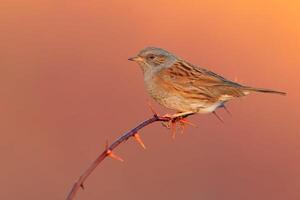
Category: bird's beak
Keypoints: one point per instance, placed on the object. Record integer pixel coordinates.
(135, 58)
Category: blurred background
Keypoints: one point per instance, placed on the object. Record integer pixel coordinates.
(66, 87)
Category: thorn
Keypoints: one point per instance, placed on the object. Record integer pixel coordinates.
(82, 186)
(152, 109)
(113, 156)
(217, 116)
(225, 108)
(139, 140)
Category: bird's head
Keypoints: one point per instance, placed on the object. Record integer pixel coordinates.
(153, 59)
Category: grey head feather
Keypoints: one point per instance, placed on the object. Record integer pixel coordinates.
(155, 59)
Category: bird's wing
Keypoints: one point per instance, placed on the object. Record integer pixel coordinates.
(200, 83)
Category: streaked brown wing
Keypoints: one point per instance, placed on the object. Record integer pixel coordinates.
(195, 82)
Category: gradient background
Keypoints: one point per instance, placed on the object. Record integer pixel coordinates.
(66, 86)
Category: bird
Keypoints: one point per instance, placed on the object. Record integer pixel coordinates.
(181, 86)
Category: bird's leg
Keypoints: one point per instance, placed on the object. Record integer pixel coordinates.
(182, 119)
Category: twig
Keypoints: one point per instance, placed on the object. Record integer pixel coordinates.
(109, 152)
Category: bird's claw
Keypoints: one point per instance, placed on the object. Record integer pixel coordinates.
(173, 121)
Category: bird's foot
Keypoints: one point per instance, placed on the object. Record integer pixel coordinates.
(174, 119)
(180, 119)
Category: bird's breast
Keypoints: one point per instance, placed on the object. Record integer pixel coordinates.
(163, 92)
(156, 89)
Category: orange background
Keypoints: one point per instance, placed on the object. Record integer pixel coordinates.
(66, 86)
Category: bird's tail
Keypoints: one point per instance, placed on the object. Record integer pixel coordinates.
(252, 89)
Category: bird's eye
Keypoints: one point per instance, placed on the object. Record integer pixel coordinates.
(151, 57)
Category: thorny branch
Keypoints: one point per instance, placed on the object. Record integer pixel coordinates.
(108, 152)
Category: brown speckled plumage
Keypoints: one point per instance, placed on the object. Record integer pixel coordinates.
(181, 86)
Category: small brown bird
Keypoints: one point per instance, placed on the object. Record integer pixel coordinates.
(181, 86)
